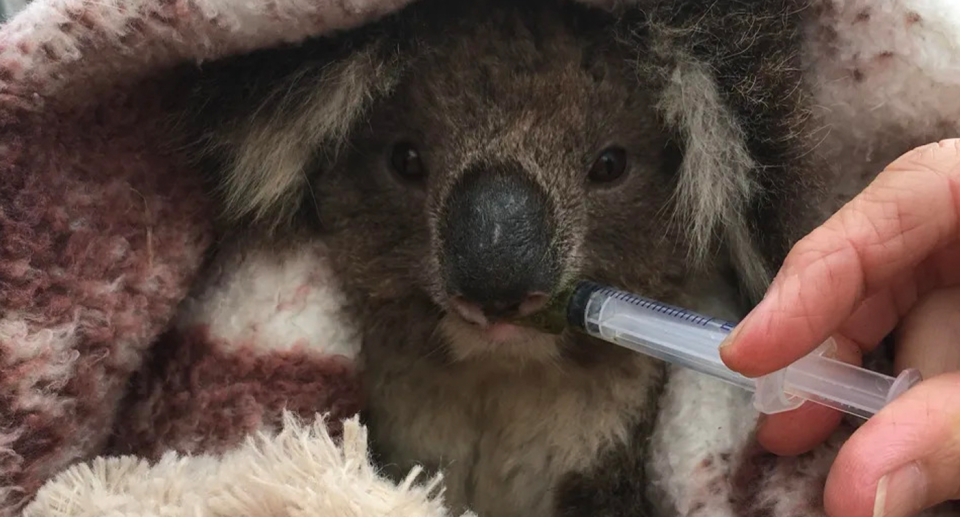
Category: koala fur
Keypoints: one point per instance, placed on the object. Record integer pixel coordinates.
(498, 113)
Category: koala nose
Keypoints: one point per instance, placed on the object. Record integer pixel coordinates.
(497, 233)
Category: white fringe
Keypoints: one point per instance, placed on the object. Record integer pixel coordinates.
(299, 472)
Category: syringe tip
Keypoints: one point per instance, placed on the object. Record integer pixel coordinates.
(552, 318)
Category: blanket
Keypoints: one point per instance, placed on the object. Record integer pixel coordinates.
(142, 373)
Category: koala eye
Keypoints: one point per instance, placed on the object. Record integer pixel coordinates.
(609, 166)
(406, 162)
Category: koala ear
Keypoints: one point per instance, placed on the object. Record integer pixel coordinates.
(739, 105)
(715, 181)
(259, 123)
(722, 186)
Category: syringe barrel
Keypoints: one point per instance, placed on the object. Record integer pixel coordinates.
(692, 340)
(668, 333)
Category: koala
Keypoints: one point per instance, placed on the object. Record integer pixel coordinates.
(465, 161)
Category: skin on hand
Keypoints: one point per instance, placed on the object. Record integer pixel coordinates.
(889, 259)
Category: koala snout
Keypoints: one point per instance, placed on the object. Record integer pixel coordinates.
(498, 255)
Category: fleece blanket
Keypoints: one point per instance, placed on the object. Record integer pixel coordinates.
(141, 374)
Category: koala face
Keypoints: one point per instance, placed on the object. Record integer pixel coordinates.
(517, 152)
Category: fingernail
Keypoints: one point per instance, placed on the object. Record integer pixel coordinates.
(743, 323)
(901, 493)
(732, 336)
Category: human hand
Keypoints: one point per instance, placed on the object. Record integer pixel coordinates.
(888, 259)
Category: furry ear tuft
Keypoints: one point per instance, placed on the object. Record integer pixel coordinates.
(716, 182)
(733, 91)
(715, 176)
(266, 126)
(269, 169)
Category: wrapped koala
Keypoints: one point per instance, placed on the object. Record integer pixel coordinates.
(398, 192)
(462, 161)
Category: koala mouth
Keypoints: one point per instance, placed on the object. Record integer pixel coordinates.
(502, 333)
(472, 332)
(493, 325)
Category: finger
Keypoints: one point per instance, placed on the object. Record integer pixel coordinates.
(929, 337)
(914, 443)
(799, 431)
(909, 212)
(878, 314)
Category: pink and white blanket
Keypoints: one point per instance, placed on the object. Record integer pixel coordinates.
(141, 374)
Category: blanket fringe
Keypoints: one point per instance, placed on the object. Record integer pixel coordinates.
(300, 471)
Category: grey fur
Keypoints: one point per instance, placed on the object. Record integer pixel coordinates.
(297, 141)
(715, 178)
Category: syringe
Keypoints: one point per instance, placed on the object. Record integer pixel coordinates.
(691, 340)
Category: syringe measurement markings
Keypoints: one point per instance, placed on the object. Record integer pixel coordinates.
(675, 312)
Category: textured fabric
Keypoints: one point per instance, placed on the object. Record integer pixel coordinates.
(300, 472)
(113, 342)
(103, 231)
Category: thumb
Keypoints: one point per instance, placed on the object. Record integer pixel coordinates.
(903, 460)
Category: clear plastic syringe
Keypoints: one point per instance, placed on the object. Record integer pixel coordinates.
(691, 340)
